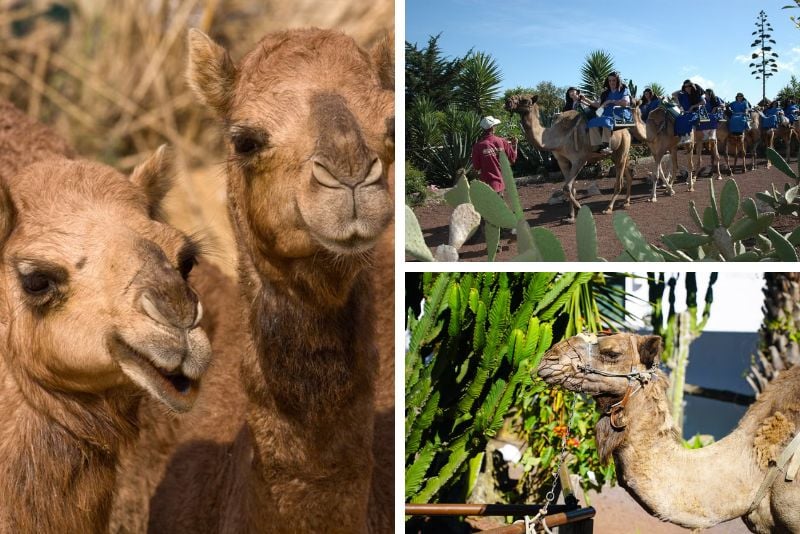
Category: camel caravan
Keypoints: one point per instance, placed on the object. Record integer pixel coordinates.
(588, 131)
(750, 474)
(142, 389)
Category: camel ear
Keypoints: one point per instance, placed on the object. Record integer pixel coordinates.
(383, 57)
(8, 213)
(211, 72)
(534, 99)
(154, 178)
(650, 349)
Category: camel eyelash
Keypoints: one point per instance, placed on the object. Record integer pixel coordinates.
(247, 141)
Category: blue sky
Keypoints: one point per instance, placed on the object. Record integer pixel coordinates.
(535, 41)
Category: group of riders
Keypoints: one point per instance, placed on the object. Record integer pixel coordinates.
(691, 106)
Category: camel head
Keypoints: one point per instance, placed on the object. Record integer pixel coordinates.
(571, 363)
(309, 118)
(94, 296)
(520, 103)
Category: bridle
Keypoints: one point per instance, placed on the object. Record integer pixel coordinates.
(637, 380)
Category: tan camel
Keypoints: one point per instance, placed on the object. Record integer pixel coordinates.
(694, 488)
(95, 313)
(298, 446)
(786, 133)
(736, 143)
(662, 140)
(713, 148)
(755, 135)
(568, 140)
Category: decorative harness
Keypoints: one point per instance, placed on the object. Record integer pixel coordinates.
(637, 379)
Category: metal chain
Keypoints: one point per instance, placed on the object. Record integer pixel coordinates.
(538, 519)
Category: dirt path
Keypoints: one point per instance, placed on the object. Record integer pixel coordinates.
(653, 219)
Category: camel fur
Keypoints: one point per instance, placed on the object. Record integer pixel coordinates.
(568, 140)
(306, 442)
(694, 488)
(95, 313)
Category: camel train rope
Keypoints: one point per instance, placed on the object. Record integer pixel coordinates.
(97, 318)
(294, 429)
(695, 488)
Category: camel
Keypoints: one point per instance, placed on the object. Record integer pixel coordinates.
(693, 488)
(294, 430)
(736, 142)
(713, 148)
(786, 132)
(95, 314)
(568, 140)
(756, 135)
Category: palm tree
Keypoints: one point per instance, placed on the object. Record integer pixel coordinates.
(478, 84)
(657, 89)
(597, 65)
(780, 329)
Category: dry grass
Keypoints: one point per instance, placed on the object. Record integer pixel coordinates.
(108, 75)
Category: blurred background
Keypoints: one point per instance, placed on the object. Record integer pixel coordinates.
(108, 76)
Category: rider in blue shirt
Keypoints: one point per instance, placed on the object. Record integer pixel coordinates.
(740, 110)
(772, 115)
(649, 103)
(714, 107)
(791, 110)
(690, 98)
(615, 94)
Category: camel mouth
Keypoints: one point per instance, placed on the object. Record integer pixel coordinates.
(172, 387)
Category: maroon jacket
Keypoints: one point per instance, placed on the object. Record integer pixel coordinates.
(485, 159)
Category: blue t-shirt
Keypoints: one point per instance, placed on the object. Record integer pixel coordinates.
(740, 107)
(683, 100)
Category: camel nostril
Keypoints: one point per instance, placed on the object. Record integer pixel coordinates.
(324, 176)
(153, 312)
(375, 172)
(198, 315)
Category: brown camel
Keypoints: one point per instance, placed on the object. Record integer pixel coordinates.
(662, 140)
(95, 313)
(568, 140)
(786, 133)
(755, 135)
(693, 488)
(713, 148)
(304, 443)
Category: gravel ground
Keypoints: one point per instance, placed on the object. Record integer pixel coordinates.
(653, 219)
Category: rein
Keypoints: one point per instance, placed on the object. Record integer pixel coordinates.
(637, 380)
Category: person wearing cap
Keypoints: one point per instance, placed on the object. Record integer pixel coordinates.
(485, 154)
(690, 98)
(615, 94)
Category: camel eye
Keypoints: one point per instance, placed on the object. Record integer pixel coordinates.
(247, 140)
(186, 264)
(246, 145)
(37, 283)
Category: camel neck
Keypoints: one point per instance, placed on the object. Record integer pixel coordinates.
(534, 132)
(58, 458)
(695, 488)
(310, 386)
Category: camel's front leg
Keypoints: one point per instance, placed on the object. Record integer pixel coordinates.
(570, 170)
(621, 165)
(715, 158)
(691, 169)
(770, 141)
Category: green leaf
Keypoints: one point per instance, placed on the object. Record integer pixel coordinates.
(460, 193)
(712, 198)
(749, 208)
(710, 219)
(415, 242)
(683, 240)
(632, 239)
(491, 206)
(783, 247)
(511, 186)
(586, 235)
(525, 238)
(747, 256)
(794, 237)
(746, 227)
(729, 202)
(415, 473)
(696, 216)
(458, 455)
(492, 234)
(780, 163)
(548, 244)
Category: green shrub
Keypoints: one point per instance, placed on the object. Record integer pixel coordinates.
(416, 186)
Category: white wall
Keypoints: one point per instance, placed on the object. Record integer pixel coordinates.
(736, 306)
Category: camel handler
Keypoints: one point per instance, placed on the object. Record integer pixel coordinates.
(485, 153)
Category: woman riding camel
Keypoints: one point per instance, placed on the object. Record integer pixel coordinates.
(615, 94)
(714, 109)
(791, 110)
(772, 115)
(690, 99)
(649, 102)
(739, 120)
(574, 100)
